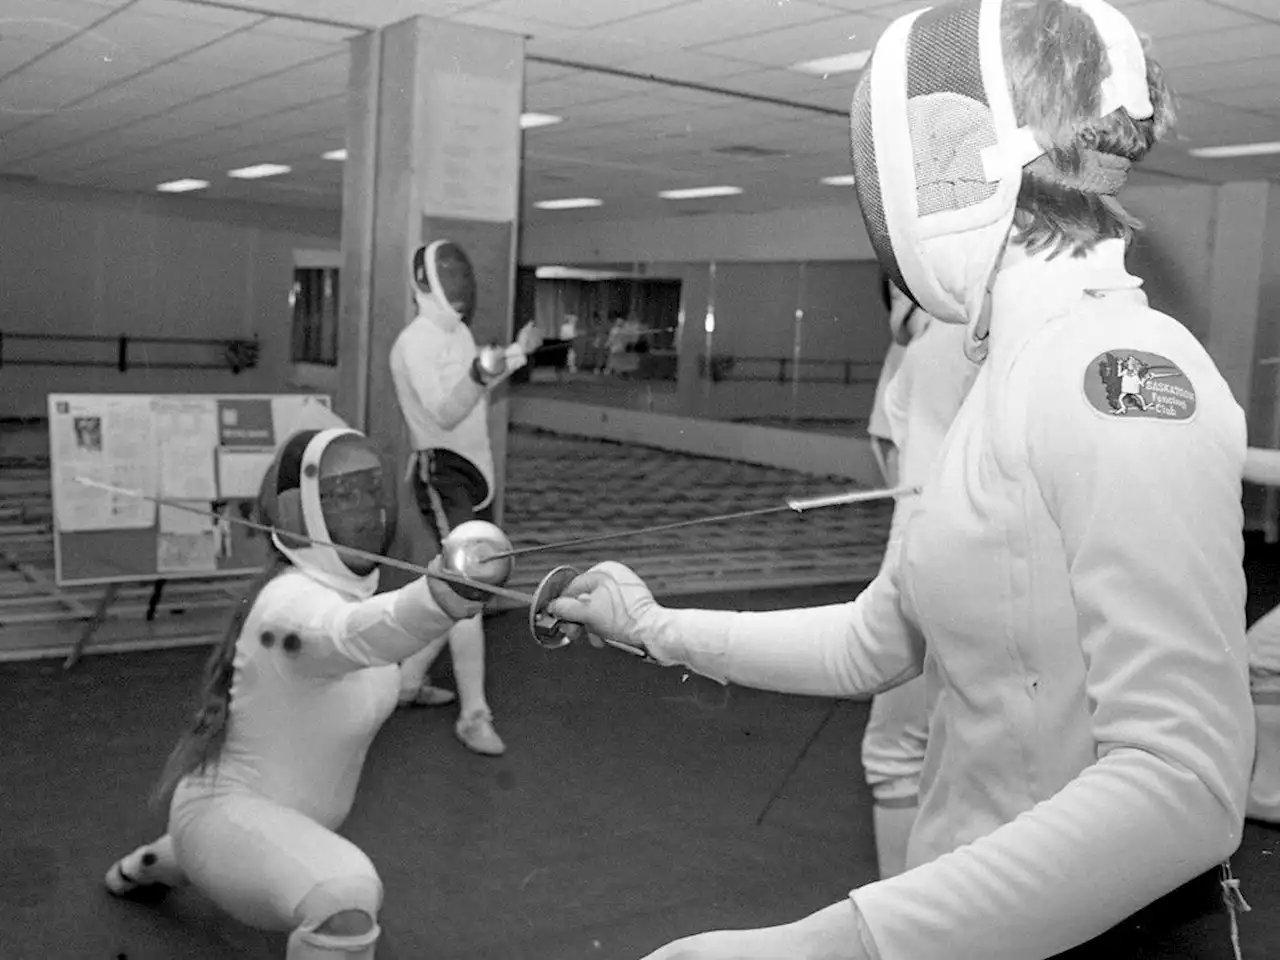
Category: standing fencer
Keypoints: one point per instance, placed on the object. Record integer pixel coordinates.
(442, 383)
(1071, 582)
(291, 700)
(920, 402)
(1263, 467)
(902, 318)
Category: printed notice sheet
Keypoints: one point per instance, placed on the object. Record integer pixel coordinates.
(186, 434)
(107, 440)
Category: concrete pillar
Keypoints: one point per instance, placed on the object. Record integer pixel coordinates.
(433, 152)
(694, 341)
(1235, 277)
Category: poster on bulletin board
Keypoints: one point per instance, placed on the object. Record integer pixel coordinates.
(203, 455)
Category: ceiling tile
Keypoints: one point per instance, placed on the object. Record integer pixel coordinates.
(148, 38)
(366, 13)
(582, 14)
(785, 84)
(253, 54)
(183, 12)
(583, 87)
(870, 6)
(305, 30)
(887, 11)
(1202, 124)
(707, 21)
(1220, 46)
(53, 21)
(1225, 76)
(587, 47)
(828, 38)
(1266, 9)
(1173, 18)
(1265, 99)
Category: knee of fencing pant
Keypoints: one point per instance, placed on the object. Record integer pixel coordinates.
(307, 944)
(359, 890)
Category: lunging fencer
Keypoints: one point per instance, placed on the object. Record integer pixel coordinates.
(291, 700)
(919, 403)
(442, 382)
(1070, 582)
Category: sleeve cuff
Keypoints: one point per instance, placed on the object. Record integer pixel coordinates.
(516, 357)
(865, 939)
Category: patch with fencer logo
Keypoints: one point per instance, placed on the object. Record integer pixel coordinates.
(1135, 384)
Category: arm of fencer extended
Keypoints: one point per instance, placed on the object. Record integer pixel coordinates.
(1150, 518)
(445, 386)
(516, 358)
(1262, 466)
(339, 635)
(840, 650)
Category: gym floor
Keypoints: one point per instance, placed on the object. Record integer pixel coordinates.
(627, 811)
(635, 804)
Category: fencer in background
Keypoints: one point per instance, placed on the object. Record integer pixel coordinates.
(1071, 582)
(442, 382)
(902, 323)
(291, 699)
(1263, 467)
(920, 402)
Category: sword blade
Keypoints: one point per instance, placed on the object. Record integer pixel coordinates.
(796, 505)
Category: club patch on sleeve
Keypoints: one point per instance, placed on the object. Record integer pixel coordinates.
(1137, 384)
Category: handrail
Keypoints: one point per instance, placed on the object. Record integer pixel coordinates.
(722, 367)
(238, 354)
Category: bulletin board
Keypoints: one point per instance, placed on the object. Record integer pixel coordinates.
(206, 452)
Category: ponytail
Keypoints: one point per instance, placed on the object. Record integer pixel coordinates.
(201, 743)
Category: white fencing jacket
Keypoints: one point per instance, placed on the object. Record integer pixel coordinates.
(1071, 585)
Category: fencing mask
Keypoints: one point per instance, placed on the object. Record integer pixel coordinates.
(938, 153)
(330, 485)
(444, 280)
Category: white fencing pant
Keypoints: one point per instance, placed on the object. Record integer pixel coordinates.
(893, 749)
(1264, 677)
(274, 868)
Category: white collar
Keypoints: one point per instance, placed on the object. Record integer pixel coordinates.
(1032, 288)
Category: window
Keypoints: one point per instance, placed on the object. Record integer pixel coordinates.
(314, 300)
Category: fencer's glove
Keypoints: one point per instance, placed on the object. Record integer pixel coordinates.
(614, 604)
(529, 338)
(452, 603)
(489, 365)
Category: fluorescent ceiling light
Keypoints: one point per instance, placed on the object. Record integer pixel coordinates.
(843, 180)
(1238, 150)
(576, 273)
(825, 66)
(181, 186)
(694, 192)
(259, 171)
(530, 120)
(339, 154)
(569, 203)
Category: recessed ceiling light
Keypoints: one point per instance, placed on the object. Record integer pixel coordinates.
(825, 66)
(843, 180)
(692, 193)
(1238, 150)
(569, 203)
(182, 186)
(530, 120)
(339, 154)
(259, 171)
